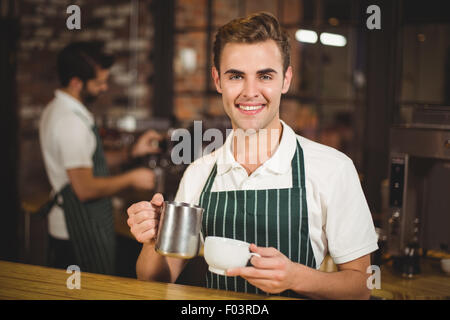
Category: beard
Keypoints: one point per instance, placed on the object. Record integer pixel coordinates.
(87, 97)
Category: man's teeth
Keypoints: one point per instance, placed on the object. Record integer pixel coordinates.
(250, 108)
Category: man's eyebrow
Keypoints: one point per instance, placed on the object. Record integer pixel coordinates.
(263, 71)
(233, 71)
(267, 70)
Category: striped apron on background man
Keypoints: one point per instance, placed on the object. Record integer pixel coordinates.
(91, 223)
(269, 218)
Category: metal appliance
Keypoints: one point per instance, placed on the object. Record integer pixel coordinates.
(419, 188)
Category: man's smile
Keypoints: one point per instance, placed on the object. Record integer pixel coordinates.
(250, 108)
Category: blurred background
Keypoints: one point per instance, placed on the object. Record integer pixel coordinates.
(349, 93)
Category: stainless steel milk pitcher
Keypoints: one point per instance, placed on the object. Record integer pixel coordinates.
(179, 232)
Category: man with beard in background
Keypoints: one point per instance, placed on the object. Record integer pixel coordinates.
(80, 221)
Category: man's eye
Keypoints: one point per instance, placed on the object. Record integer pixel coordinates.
(235, 77)
(266, 77)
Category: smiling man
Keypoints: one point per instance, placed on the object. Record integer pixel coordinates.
(295, 200)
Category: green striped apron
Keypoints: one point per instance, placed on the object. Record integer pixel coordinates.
(91, 223)
(269, 218)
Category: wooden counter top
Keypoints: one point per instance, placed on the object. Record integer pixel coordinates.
(29, 282)
(19, 281)
(431, 284)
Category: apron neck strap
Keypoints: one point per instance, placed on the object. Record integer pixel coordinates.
(297, 165)
(298, 168)
(85, 120)
(209, 182)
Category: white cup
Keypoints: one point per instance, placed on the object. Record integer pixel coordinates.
(445, 265)
(222, 254)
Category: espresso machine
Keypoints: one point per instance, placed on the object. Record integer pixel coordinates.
(418, 218)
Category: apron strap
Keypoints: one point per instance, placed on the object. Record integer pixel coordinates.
(45, 209)
(298, 168)
(209, 182)
(297, 165)
(91, 223)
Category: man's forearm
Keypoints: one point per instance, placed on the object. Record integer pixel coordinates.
(115, 158)
(98, 187)
(109, 186)
(152, 266)
(345, 284)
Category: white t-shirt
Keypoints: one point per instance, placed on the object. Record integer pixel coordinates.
(338, 215)
(67, 142)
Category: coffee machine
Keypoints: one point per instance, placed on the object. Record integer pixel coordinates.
(419, 189)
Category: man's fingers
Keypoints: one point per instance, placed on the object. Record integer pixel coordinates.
(266, 263)
(139, 206)
(234, 272)
(142, 216)
(139, 229)
(250, 273)
(262, 279)
(147, 225)
(263, 251)
(157, 200)
(146, 236)
(265, 285)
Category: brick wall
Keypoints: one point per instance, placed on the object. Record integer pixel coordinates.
(44, 33)
(191, 102)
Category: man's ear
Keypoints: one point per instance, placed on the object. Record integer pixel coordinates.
(216, 77)
(287, 80)
(76, 84)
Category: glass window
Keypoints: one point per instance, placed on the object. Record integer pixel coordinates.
(426, 56)
(189, 61)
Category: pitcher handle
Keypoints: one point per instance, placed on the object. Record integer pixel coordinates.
(202, 245)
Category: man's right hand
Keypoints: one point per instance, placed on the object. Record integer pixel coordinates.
(142, 179)
(143, 219)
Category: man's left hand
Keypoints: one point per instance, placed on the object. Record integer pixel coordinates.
(273, 272)
(147, 143)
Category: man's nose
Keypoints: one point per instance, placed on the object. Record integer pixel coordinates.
(250, 89)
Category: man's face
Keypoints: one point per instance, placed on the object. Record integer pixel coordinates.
(251, 82)
(94, 87)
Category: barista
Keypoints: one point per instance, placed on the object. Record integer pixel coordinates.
(81, 226)
(297, 202)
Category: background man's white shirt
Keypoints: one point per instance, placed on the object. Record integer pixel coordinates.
(67, 142)
(339, 218)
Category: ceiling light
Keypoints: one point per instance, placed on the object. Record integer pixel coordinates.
(331, 39)
(307, 36)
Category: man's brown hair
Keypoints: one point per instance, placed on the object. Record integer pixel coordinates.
(257, 27)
